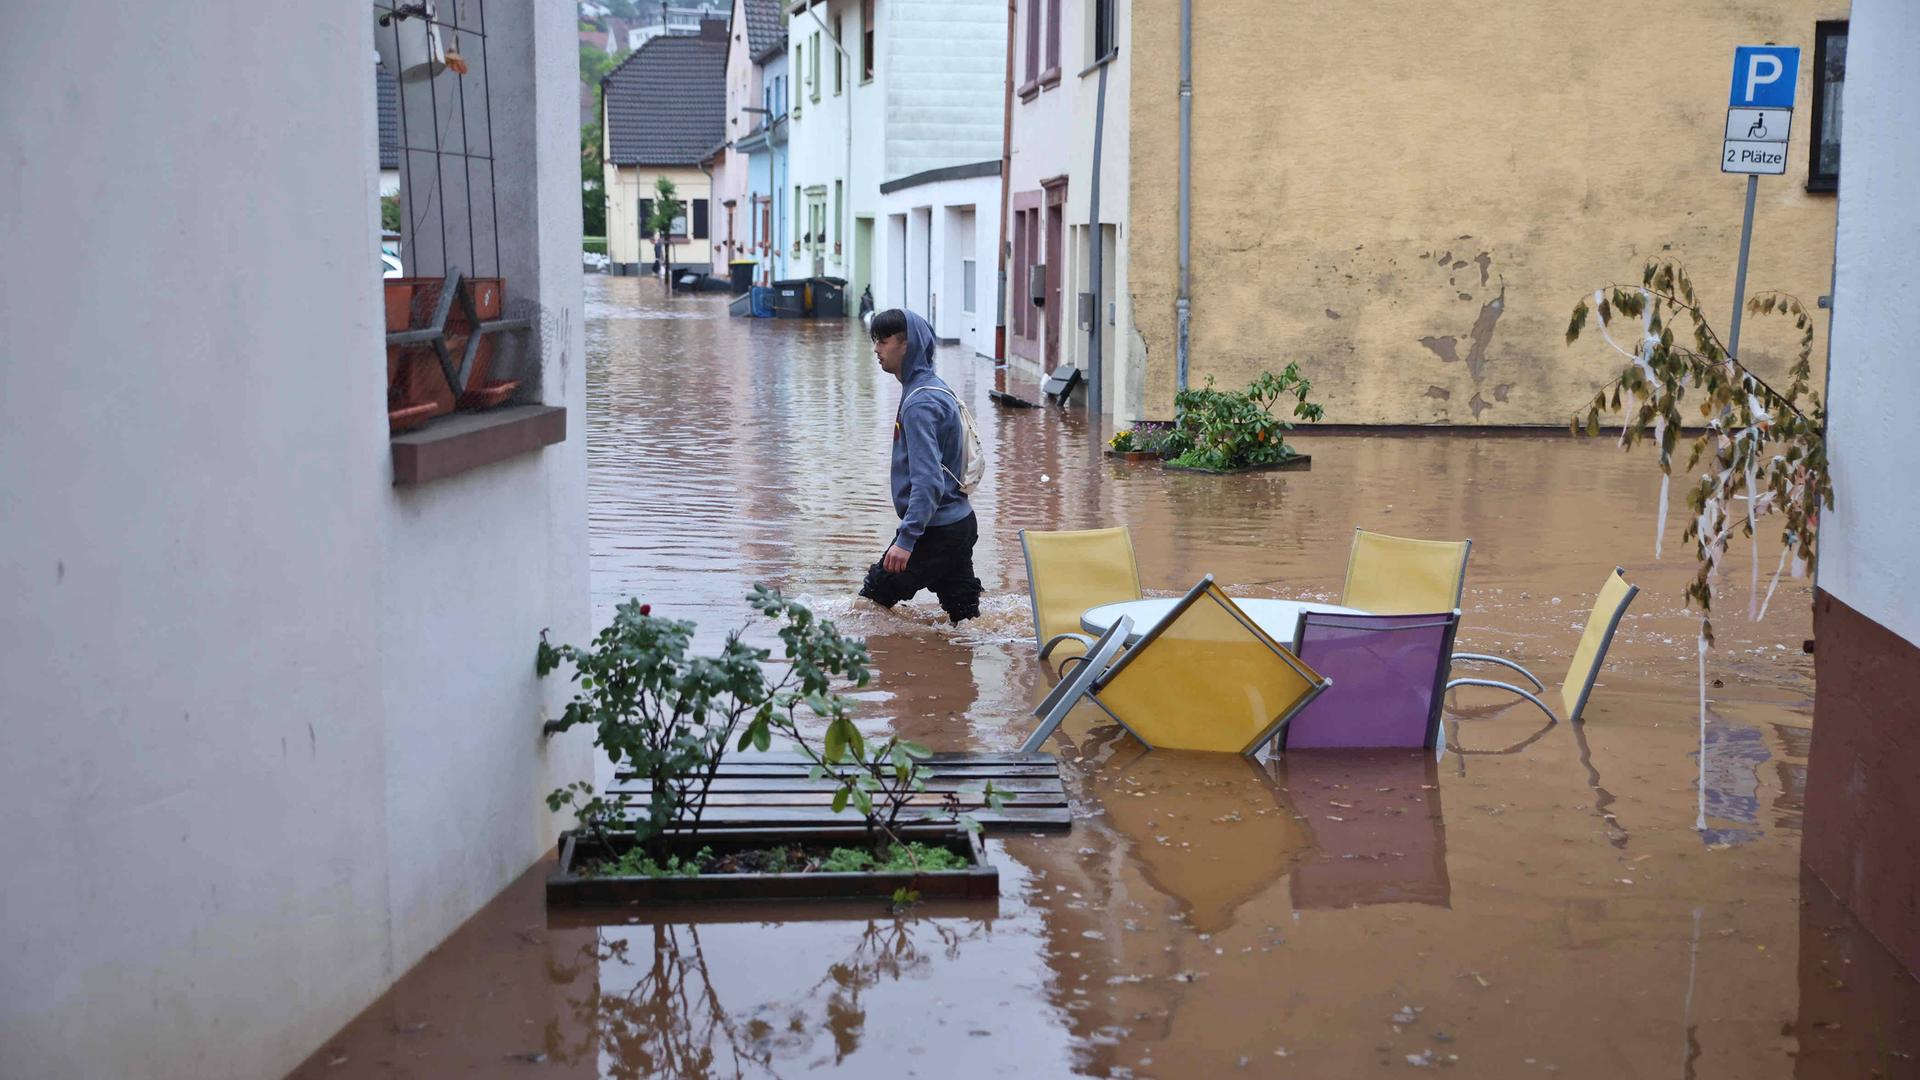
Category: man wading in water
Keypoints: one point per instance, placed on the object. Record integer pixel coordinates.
(933, 548)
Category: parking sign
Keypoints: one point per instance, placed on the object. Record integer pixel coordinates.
(1760, 109)
(1764, 76)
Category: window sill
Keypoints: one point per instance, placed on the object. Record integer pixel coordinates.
(1099, 62)
(1029, 91)
(1823, 186)
(459, 442)
(1050, 78)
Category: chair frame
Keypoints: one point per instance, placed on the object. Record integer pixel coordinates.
(1593, 676)
(1153, 633)
(1459, 590)
(1435, 711)
(1033, 598)
(1067, 692)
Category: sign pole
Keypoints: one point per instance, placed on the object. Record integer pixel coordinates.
(1759, 123)
(1740, 275)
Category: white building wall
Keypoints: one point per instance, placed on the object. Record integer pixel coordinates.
(945, 222)
(273, 729)
(1053, 136)
(1123, 374)
(934, 102)
(1866, 539)
(731, 180)
(817, 136)
(945, 66)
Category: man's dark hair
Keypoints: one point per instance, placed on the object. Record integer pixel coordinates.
(888, 323)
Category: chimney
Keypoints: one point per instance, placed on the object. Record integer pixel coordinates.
(713, 30)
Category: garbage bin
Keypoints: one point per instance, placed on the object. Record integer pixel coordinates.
(790, 299)
(761, 299)
(829, 297)
(741, 271)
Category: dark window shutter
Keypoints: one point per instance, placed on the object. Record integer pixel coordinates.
(646, 217)
(699, 219)
(1053, 35)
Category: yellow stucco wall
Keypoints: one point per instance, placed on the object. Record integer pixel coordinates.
(626, 186)
(1380, 184)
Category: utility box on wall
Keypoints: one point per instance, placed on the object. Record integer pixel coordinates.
(1037, 284)
(1086, 311)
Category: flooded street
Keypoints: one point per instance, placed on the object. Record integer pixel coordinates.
(1541, 901)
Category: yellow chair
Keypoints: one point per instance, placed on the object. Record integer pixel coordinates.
(1391, 575)
(1069, 572)
(1206, 677)
(1584, 668)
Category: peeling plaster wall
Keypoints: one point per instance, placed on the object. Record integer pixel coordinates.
(1409, 197)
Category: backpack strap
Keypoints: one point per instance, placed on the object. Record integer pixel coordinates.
(957, 482)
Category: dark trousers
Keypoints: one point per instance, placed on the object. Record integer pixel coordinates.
(942, 560)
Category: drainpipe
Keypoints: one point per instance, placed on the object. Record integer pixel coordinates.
(1183, 307)
(846, 91)
(1006, 209)
(1096, 245)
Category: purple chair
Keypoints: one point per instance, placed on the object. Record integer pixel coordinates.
(1389, 677)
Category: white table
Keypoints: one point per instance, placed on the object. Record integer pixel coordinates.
(1279, 618)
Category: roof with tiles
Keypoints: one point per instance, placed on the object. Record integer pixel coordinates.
(765, 33)
(667, 103)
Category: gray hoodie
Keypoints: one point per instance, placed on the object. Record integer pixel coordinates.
(927, 453)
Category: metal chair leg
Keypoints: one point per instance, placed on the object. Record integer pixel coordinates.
(1483, 658)
(1068, 692)
(1508, 687)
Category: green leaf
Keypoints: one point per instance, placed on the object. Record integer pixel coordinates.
(840, 799)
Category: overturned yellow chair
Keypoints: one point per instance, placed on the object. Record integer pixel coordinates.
(1205, 677)
(1069, 572)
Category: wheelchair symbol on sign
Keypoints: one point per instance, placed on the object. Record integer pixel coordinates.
(1759, 128)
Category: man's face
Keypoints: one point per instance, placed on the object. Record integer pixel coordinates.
(891, 352)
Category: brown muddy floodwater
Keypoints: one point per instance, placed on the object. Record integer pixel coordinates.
(1538, 902)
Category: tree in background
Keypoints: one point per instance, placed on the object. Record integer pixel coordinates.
(593, 195)
(667, 209)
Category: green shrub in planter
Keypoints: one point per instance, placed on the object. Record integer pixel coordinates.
(1223, 430)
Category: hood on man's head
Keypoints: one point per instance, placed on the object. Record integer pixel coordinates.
(920, 340)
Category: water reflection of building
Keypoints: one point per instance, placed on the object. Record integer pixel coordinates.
(1730, 781)
(1376, 827)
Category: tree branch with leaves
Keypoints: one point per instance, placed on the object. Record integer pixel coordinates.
(1759, 443)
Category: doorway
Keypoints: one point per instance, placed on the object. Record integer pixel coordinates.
(1055, 251)
(862, 261)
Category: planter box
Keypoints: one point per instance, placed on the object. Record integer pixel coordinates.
(1296, 463)
(980, 881)
(1134, 455)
